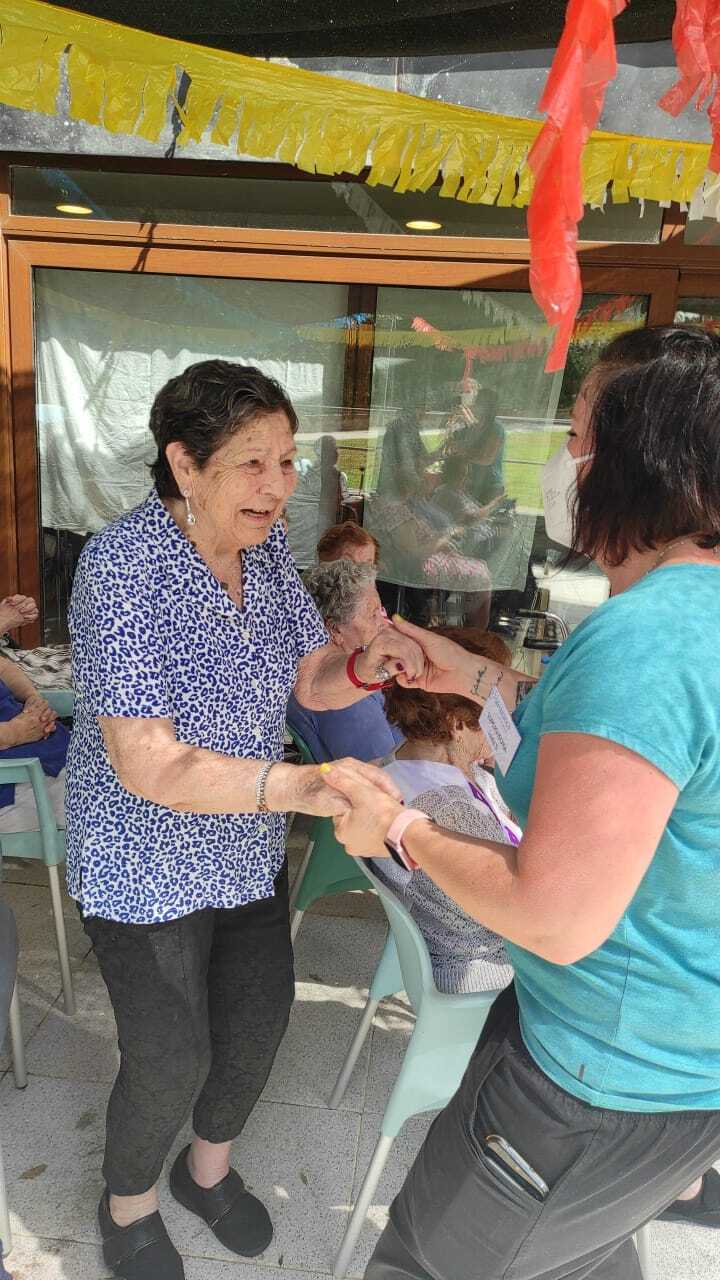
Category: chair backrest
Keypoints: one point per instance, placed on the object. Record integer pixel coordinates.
(61, 700)
(411, 946)
(306, 754)
(49, 835)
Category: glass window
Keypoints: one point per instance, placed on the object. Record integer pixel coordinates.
(443, 467)
(704, 231)
(297, 204)
(105, 344)
(462, 419)
(704, 311)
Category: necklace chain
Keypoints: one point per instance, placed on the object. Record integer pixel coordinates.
(678, 542)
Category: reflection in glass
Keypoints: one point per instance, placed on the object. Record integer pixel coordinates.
(704, 311)
(443, 468)
(105, 344)
(462, 418)
(301, 204)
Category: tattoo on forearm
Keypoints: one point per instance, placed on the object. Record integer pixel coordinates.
(478, 681)
(523, 688)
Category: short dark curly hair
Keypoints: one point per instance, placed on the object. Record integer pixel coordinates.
(204, 406)
(431, 716)
(655, 440)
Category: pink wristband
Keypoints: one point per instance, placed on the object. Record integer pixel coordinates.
(396, 831)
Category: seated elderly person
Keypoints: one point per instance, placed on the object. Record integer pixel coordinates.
(348, 541)
(439, 769)
(28, 727)
(347, 598)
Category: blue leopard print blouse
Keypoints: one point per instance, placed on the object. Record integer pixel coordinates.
(154, 634)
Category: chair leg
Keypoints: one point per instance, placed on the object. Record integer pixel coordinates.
(362, 1204)
(301, 873)
(5, 1236)
(295, 922)
(348, 1066)
(644, 1249)
(61, 936)
(17, 1043)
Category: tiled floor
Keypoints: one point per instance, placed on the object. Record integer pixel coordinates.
(305, 1160)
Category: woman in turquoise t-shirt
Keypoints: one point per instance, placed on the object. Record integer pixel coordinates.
(601, 1067)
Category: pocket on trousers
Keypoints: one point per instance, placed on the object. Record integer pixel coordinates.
(549, 1130)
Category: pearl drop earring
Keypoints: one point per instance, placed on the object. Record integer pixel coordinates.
(189, 516)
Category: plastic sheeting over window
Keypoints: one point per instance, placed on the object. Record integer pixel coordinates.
(105, 344)
(443, 467)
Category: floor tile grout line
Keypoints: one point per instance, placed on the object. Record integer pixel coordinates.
(268, 1102)
(189, 1257)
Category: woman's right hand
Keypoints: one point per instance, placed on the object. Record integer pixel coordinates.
(35, 722)
(448, 667)
(17, 611)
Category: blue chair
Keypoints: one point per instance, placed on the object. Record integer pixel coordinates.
(447, 1028)
(326, 868)
(46, 845)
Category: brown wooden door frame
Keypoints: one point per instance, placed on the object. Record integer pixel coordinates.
(693, 284)
(20, 569)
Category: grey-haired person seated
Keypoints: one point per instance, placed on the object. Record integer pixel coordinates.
(347, 599)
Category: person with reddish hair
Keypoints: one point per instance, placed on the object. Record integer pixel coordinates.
(439, 771)
(348, 541)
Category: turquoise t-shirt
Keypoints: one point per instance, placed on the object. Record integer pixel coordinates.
(635, 1025)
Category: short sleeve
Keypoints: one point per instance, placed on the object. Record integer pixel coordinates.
(637, 680)
(303, 619)
(117, 656)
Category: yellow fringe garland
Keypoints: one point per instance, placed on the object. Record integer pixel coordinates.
(121, 78)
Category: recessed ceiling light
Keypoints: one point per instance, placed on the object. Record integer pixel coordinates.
(77, 209)
(423, 224)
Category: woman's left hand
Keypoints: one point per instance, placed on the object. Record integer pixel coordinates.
(375, 803)
(389, 654)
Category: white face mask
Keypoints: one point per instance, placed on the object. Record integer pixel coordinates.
(559, 490)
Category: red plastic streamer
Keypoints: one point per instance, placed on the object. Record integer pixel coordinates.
(696, 40)
(583, 65)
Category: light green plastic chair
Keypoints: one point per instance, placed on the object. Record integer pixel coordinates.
(46, 845)
(326, 868)
(447, 1028)
(446, 1031)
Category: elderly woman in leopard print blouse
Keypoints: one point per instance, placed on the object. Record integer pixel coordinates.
(190, 628)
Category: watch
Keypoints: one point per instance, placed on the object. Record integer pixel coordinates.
(394, 837)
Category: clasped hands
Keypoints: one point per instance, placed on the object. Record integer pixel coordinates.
(417, 659)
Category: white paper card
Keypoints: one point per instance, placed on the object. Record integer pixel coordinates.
(497, 725)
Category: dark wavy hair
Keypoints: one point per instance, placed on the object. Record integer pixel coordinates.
(655, 436)
(431, 717)
(206, 405)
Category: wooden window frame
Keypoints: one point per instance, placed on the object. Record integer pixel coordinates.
(361, 261)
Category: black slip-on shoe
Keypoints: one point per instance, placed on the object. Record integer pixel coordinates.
(142, 1251)
(238, 1219)
(704, 1208)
